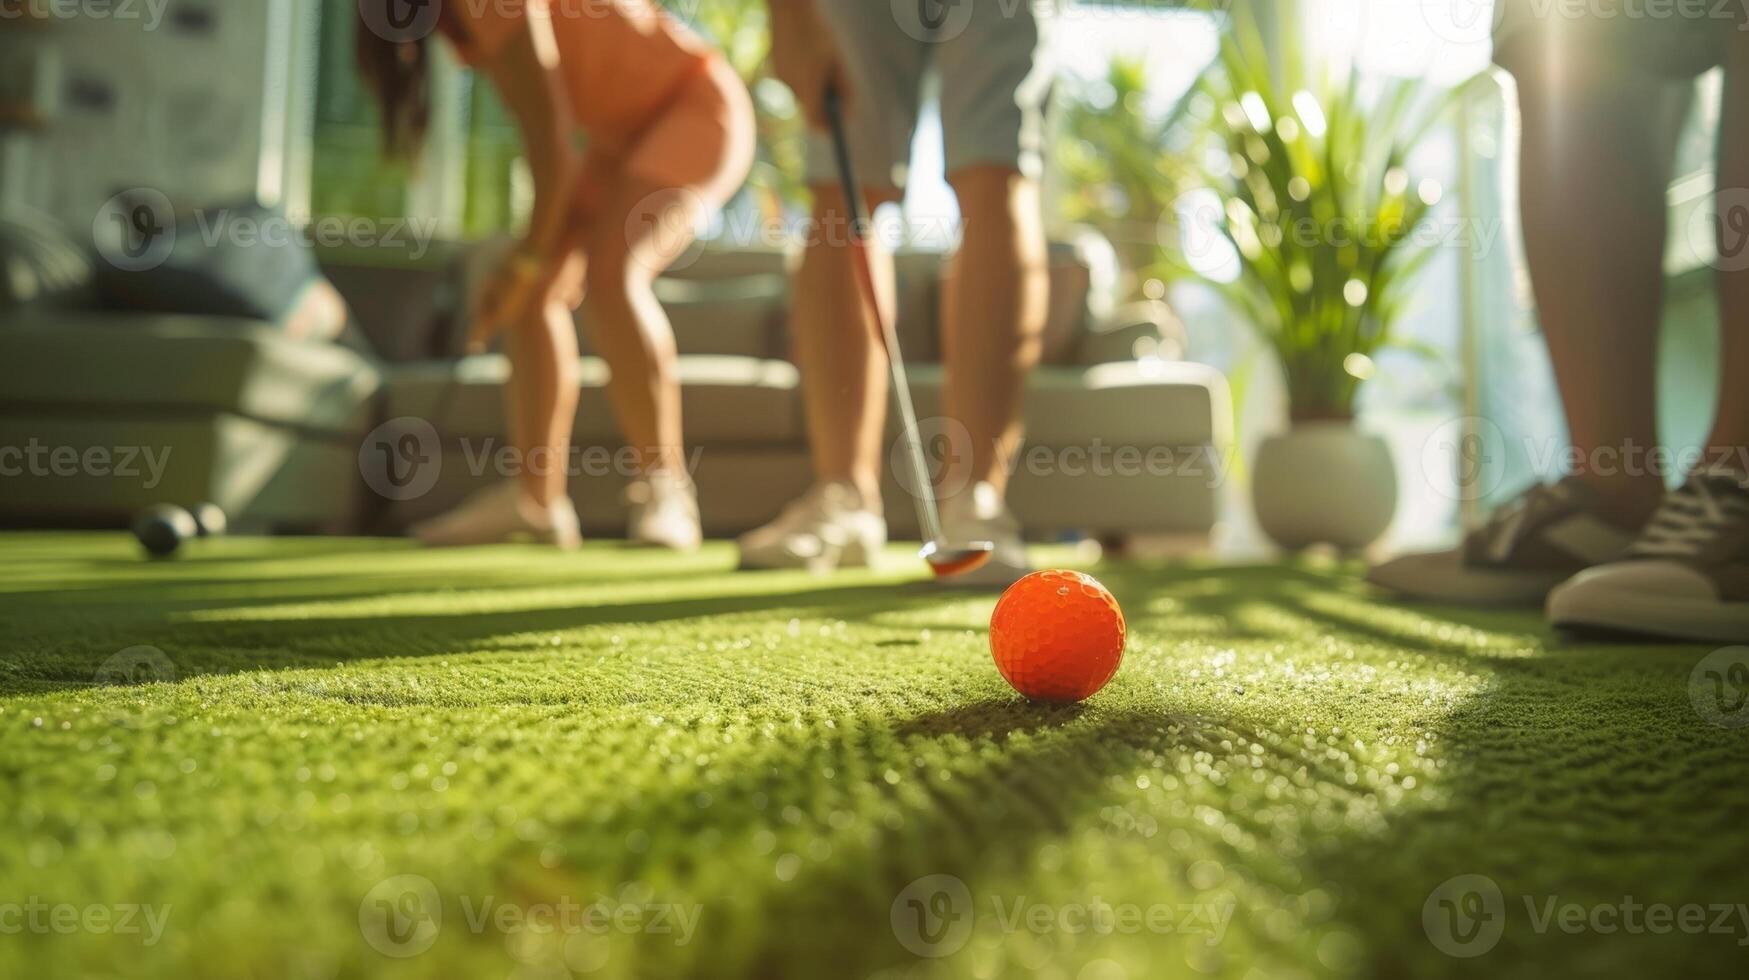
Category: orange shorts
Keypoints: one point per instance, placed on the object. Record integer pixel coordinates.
(702, 141)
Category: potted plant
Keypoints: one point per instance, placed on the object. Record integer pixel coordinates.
(1306, 180)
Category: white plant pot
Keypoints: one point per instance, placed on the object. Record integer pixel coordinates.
(1324, 483)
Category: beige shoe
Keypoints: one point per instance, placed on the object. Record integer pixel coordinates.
(1686, 578)
(980, 514)
(1528, 547)
(829, 527)
(664, 511)
(502, 512)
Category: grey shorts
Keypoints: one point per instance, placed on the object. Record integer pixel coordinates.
(1677, 38)
(995, 78)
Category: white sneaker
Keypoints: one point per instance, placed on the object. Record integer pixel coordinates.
(1686, 578)
(502, 512)
(664, 511)
(980, 514)
(830, 526)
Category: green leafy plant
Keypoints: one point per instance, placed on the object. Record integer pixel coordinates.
(1118, 164)
(742, 30)
(1316, 200)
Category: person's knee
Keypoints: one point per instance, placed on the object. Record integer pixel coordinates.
(615, 283)
(620, 303)
(541, 319)
(998, 203)
(607, 306)
(531, 341)
(996, 192)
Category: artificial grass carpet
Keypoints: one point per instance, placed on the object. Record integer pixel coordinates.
(507, 762)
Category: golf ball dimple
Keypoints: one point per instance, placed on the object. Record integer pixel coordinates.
(1057, 635)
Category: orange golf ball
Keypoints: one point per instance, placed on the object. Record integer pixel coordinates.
(1057, 635)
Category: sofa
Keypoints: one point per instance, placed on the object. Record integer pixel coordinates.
(1124, 434)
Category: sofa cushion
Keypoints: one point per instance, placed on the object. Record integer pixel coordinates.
(144, 364)
(261, 272)
(710, 261)
(724, 399)
(408, 313)
(1084, 276)
(917, 277)
(1123, 403)
(1145, 329)
(742, 316)
(729, 300)
(265, 477)
(917, 288)
(1083, 286)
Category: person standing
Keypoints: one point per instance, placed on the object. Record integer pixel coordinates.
(995, 83)
(1609, 546)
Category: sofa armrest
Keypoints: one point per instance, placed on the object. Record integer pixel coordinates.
(1147, 328)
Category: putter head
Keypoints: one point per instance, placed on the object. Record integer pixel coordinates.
(947, 560)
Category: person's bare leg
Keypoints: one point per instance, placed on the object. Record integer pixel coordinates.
(994, 304)
(843, 368)
(541, 399)
(1729, 440)
(540, 403)
(1597, 150)
(641, 230)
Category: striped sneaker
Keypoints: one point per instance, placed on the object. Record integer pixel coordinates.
(1686, 578)
(1529, 546)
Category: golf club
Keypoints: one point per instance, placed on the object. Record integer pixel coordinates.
(944, 559)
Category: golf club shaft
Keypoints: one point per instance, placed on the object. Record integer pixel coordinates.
(927, 516)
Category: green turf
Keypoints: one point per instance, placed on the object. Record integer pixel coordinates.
(774, 758)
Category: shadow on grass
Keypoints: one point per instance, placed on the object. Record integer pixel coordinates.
(1574, 772)
(1575, 775)
(1579, 774)
(71, 652)
(1017, 774)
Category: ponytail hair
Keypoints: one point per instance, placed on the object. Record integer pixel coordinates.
(398, 74)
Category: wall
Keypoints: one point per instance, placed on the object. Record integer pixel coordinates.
(204, 100)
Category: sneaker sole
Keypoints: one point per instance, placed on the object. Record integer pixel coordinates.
(659, 544)
(1658, 617)
(1497, 590)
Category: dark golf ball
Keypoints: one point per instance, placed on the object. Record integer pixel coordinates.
(209, 519)
(162, 528)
